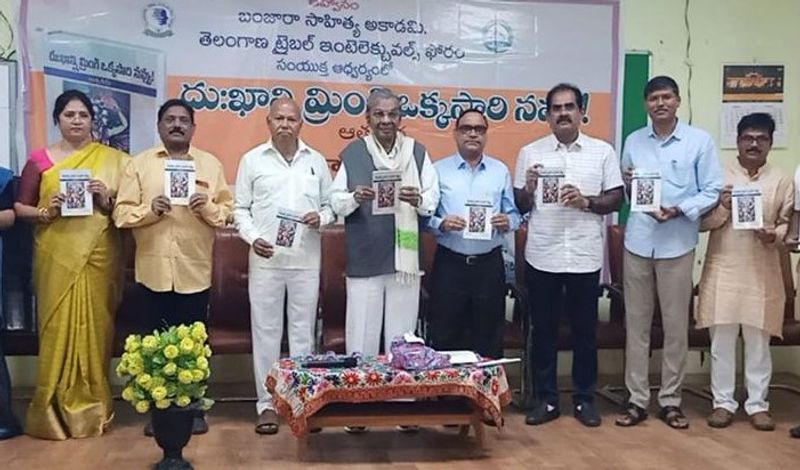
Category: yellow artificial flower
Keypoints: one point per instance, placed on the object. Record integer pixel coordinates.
(199, 332)
(187, 345)
(182, 331)
(143, 406)
(207, 350)
(127, 393)
(149, 343)
(183, 400)
(197, 350)
(134, 369)
(163, 404)
(122, 368)
(144, 380)
(159, 393)
(132, 343)
(185, 377)
(171, 351)
(170, 369)
(198, 375)
(202, 363)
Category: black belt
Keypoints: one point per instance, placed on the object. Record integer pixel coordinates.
(469, 260)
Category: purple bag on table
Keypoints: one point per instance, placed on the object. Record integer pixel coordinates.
(410, 353)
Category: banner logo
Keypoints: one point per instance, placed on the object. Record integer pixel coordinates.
(497, 36)
(158, 20)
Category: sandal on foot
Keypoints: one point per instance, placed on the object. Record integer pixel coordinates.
(631, 416)
(674, 417)
(267, 423)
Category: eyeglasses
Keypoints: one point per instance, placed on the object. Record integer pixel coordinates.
(479, 129)
(758, 139)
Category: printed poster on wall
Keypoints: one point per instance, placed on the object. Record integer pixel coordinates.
(750, 89)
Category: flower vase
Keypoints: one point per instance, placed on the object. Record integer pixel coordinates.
(172, 428)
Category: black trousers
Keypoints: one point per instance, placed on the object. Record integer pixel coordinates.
(165, 309)
(552, 295)
(7, 418)
(468, 302)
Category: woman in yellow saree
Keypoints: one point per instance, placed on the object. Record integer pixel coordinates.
(77, 276)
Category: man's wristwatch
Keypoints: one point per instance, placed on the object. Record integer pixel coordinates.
(589, 204)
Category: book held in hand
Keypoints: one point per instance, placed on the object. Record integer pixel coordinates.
(746, 208)
(290, 229)
(548, 192)
(645, 191)
(75, 187)
(386, 184)
(479, 215)
(179, 181)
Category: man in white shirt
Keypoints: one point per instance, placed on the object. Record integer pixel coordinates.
(281, 202)
(579, 181)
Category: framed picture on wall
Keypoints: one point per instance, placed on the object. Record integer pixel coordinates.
(751, 88)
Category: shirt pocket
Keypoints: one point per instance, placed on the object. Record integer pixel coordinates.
(309, 188)
(679, 174)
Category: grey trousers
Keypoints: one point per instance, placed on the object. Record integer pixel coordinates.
(670, 281)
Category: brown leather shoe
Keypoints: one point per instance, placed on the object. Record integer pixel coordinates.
(720, 418)
(762, 421)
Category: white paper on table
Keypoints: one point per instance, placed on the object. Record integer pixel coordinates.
(478, 216)
(386, 184)
(179, 181)
(747, 208)
(461, 357)
(548, 189)
(646, 191)
(289, 229)
(75, 187)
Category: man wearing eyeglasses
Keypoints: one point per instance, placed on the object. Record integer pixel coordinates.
(742, 284)
(468, 293)
(564, 250)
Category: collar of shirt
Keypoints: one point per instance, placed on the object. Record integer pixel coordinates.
(678, 133)
(762, 170)
(462, 164)
(164, 153)
(575, 146)
(302, 149)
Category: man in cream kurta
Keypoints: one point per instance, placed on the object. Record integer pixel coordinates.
(283, 175)
(742, 285)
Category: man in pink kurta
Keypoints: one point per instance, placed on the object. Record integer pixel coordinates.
(742, 285)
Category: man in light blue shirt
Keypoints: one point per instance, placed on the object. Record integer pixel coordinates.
(475, 210)
(659, 247)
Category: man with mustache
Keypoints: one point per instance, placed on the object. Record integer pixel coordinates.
(282, 174)
(659, 247)
(174, 244)
(564, 250)
(468, 295)
(383, 251)
(742, 284)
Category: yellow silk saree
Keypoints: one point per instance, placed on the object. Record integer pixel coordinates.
(78, 280)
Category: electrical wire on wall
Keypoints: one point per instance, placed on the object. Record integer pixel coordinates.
(688, 59)
(6, 51)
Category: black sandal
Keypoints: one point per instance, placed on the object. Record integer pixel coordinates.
(674, 417)
(631, 416)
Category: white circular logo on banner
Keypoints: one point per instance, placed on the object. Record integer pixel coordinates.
(497, 36)
(158, 20)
